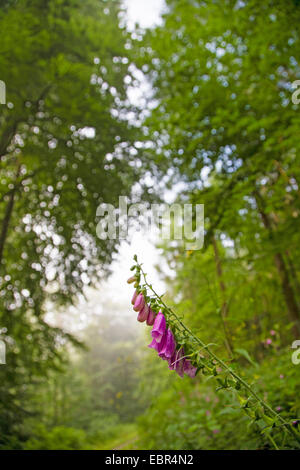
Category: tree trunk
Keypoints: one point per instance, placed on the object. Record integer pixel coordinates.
(293, 271)
(283, 273)
(224, 307)
(7, 218)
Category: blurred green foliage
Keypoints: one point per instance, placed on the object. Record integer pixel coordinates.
(58, 438)
(66, 146)
(192, 415)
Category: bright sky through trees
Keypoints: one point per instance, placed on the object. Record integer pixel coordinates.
(147, 14)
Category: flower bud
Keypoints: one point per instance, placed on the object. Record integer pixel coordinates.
(143, 314)
(134, 297)
(139, 303)
(151, 317)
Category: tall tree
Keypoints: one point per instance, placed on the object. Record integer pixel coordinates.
(66, 145)
(222, 73)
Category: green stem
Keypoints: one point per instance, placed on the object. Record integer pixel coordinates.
(273, 442)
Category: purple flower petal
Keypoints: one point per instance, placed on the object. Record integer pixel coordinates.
(134, 297)
(168, 347)
(172, 360)
(189, 369)
(176, 362)
(180, 362)
(143, 314)
(159, 346)
(154, 345)
(159, 327)
(151, 317)
(139, 303)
